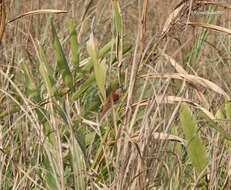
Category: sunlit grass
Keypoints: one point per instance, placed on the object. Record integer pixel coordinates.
(86, 104)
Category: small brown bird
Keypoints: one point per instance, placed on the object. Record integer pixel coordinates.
(111, 100)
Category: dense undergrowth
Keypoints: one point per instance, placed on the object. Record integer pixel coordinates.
(120, 95)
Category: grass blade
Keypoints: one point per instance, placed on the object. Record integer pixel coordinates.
(47, 74)
(100, 76)
(61, 60)
(84, 87)
(195, 148)
(31, 87)
(79, 166)
(99, 68)
(215, 125)
(74, 46)
(228, 109)
(51, 180)
(117, 17)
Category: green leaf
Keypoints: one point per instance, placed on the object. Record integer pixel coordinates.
(79, 165)
(117, 17)
(126, 48)
(99, 68)
(61, 60)
(105, 49)
(195, 148)
(84, 87)
(100, 76)
(92, 48)
(50, 180)
(228, 109)
(100, 150)
(219, 127)
(46, 73)
(219, 114)
(74, 45)
(102, 52)
(31, 87)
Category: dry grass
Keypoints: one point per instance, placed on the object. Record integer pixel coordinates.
(59, 131)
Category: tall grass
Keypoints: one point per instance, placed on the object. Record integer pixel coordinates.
(114, 98)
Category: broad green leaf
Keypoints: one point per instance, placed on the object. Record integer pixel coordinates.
(88, 138)
(195, 148)
(51, 183)
(79, 165)
(46, 73)
(100, 76)
(50, 180)
(219, 114)
(102, 52)
(228, 109)
(92, 48)
(31, 87)
(32, 90)
(99, 68)
(74, 46)
(117, 17)
(45, 35)
(61, 60)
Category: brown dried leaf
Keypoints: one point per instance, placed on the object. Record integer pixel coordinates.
(177, 66)
(180, 69)
(210, 26)
(202, 98)
(162, 136)
(174, 100)
(41, 11)
(192, 79)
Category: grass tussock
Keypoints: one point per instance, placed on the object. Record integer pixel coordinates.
(115, 95)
